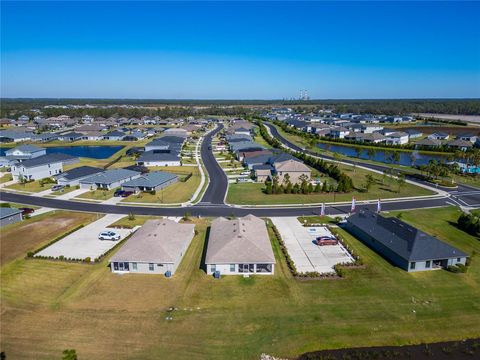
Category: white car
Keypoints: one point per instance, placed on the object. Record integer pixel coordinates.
(109, 235)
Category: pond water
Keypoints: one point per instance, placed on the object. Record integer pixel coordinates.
(88, 151)
(406, 158)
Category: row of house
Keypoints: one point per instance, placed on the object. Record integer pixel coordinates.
(234, 247)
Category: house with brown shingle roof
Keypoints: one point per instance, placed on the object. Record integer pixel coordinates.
(294, 168)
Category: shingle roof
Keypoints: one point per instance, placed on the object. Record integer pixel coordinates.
(26, 148)
(79, 172)
(153, 155)
(242, 240)
(152, 179)
(157, 241)
(460, 143)
(291, 166)
(6, 211)
(46, 159)
(109, 176)
(403, 239)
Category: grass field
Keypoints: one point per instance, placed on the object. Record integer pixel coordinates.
(252, 193)
(5, 178)
(56, 305)
(33, 186)
(17, 239)
(178, 192)
(97, 194)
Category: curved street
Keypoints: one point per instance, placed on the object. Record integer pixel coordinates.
(212, 203)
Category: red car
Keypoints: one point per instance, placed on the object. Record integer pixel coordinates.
(26, 211)
(326, 240)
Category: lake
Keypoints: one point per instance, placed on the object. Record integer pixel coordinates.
(382, 156)
(88, 151)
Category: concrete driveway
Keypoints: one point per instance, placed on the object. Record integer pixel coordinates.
(84, 242)
(306, 255)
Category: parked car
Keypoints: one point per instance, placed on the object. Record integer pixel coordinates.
(126, 193)
(326, 240)
(118, 193)
(58, 187)
(108, 235)
(26, 211)
(245, 173)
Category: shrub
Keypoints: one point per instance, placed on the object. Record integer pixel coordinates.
(30, 254)
(87, 259)
(131, 216)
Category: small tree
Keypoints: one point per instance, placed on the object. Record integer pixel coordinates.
(131, 216)
(369, 181)
(69, 354)
(400, 181)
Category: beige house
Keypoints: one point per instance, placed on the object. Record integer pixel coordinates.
(239, 247)
(294, 168)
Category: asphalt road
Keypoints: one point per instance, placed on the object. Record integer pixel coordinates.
(212, 201)
(377, 167)
(217, 188)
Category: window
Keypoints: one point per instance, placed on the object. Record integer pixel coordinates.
(264, 268)
(427, 264)
(150, 267)
(120, 266)
(412, 265)
(134, 266)
(232, 267)
(213, 268)
(245, 268)
(115, 266)
(126, 266)
(458, 259)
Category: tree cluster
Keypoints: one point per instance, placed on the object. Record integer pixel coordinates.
(469, 223)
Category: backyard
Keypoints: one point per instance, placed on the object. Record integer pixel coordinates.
(55, 305)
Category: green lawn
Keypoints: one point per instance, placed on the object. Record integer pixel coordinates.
(252, 194)
(97, 194)
(33, 186)
(5, 178)
(65, 190)
(126, 222)
(56, 305)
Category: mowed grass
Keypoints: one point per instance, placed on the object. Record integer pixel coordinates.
(17, 239)
(253, 193)
(97, 194)
(178, 192)
(33, 186)
(56, 305)
(5, 178)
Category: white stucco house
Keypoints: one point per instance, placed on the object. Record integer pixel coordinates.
(38, 168)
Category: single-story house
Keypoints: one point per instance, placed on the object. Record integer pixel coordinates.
(156, 248)
(428, 143)
(397, 138)
(468, 137)
(462, 145)
(150, 182)
(71, 136)
(114, 135)
(15, 136)
(26, 152)
(239, 247)
(159, 158)
(402, 244)
(9, 216)
(263, 172)
(439, 136)
(338, 133)
(413, 134)
(109, 179)
(72, 177)
(176, 132)
(41, 167)
(294, 168)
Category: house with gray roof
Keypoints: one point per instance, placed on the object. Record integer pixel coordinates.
(72, 177)
(156, 248)
(114, 135)
(152, 181)
(239, 247)
(41, 167)
(159, 158)
(15, 136)
(9, 216)
(402, 244)
(108, 179)
(25, 152)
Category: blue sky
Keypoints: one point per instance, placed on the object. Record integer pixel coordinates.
(231, 50)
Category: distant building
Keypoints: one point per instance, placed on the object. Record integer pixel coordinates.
(438, 136)
(72, 177)
(152, 181)
(109, 179)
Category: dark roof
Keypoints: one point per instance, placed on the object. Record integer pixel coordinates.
(172, 139)
(263, 167)
(109, 176)
(115, 133)
(79, 172)
(47, 159)
(403, 239)
(152, 179)
(153, 155)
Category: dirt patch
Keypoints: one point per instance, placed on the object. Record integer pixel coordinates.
(16, 240)
(465, 349)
